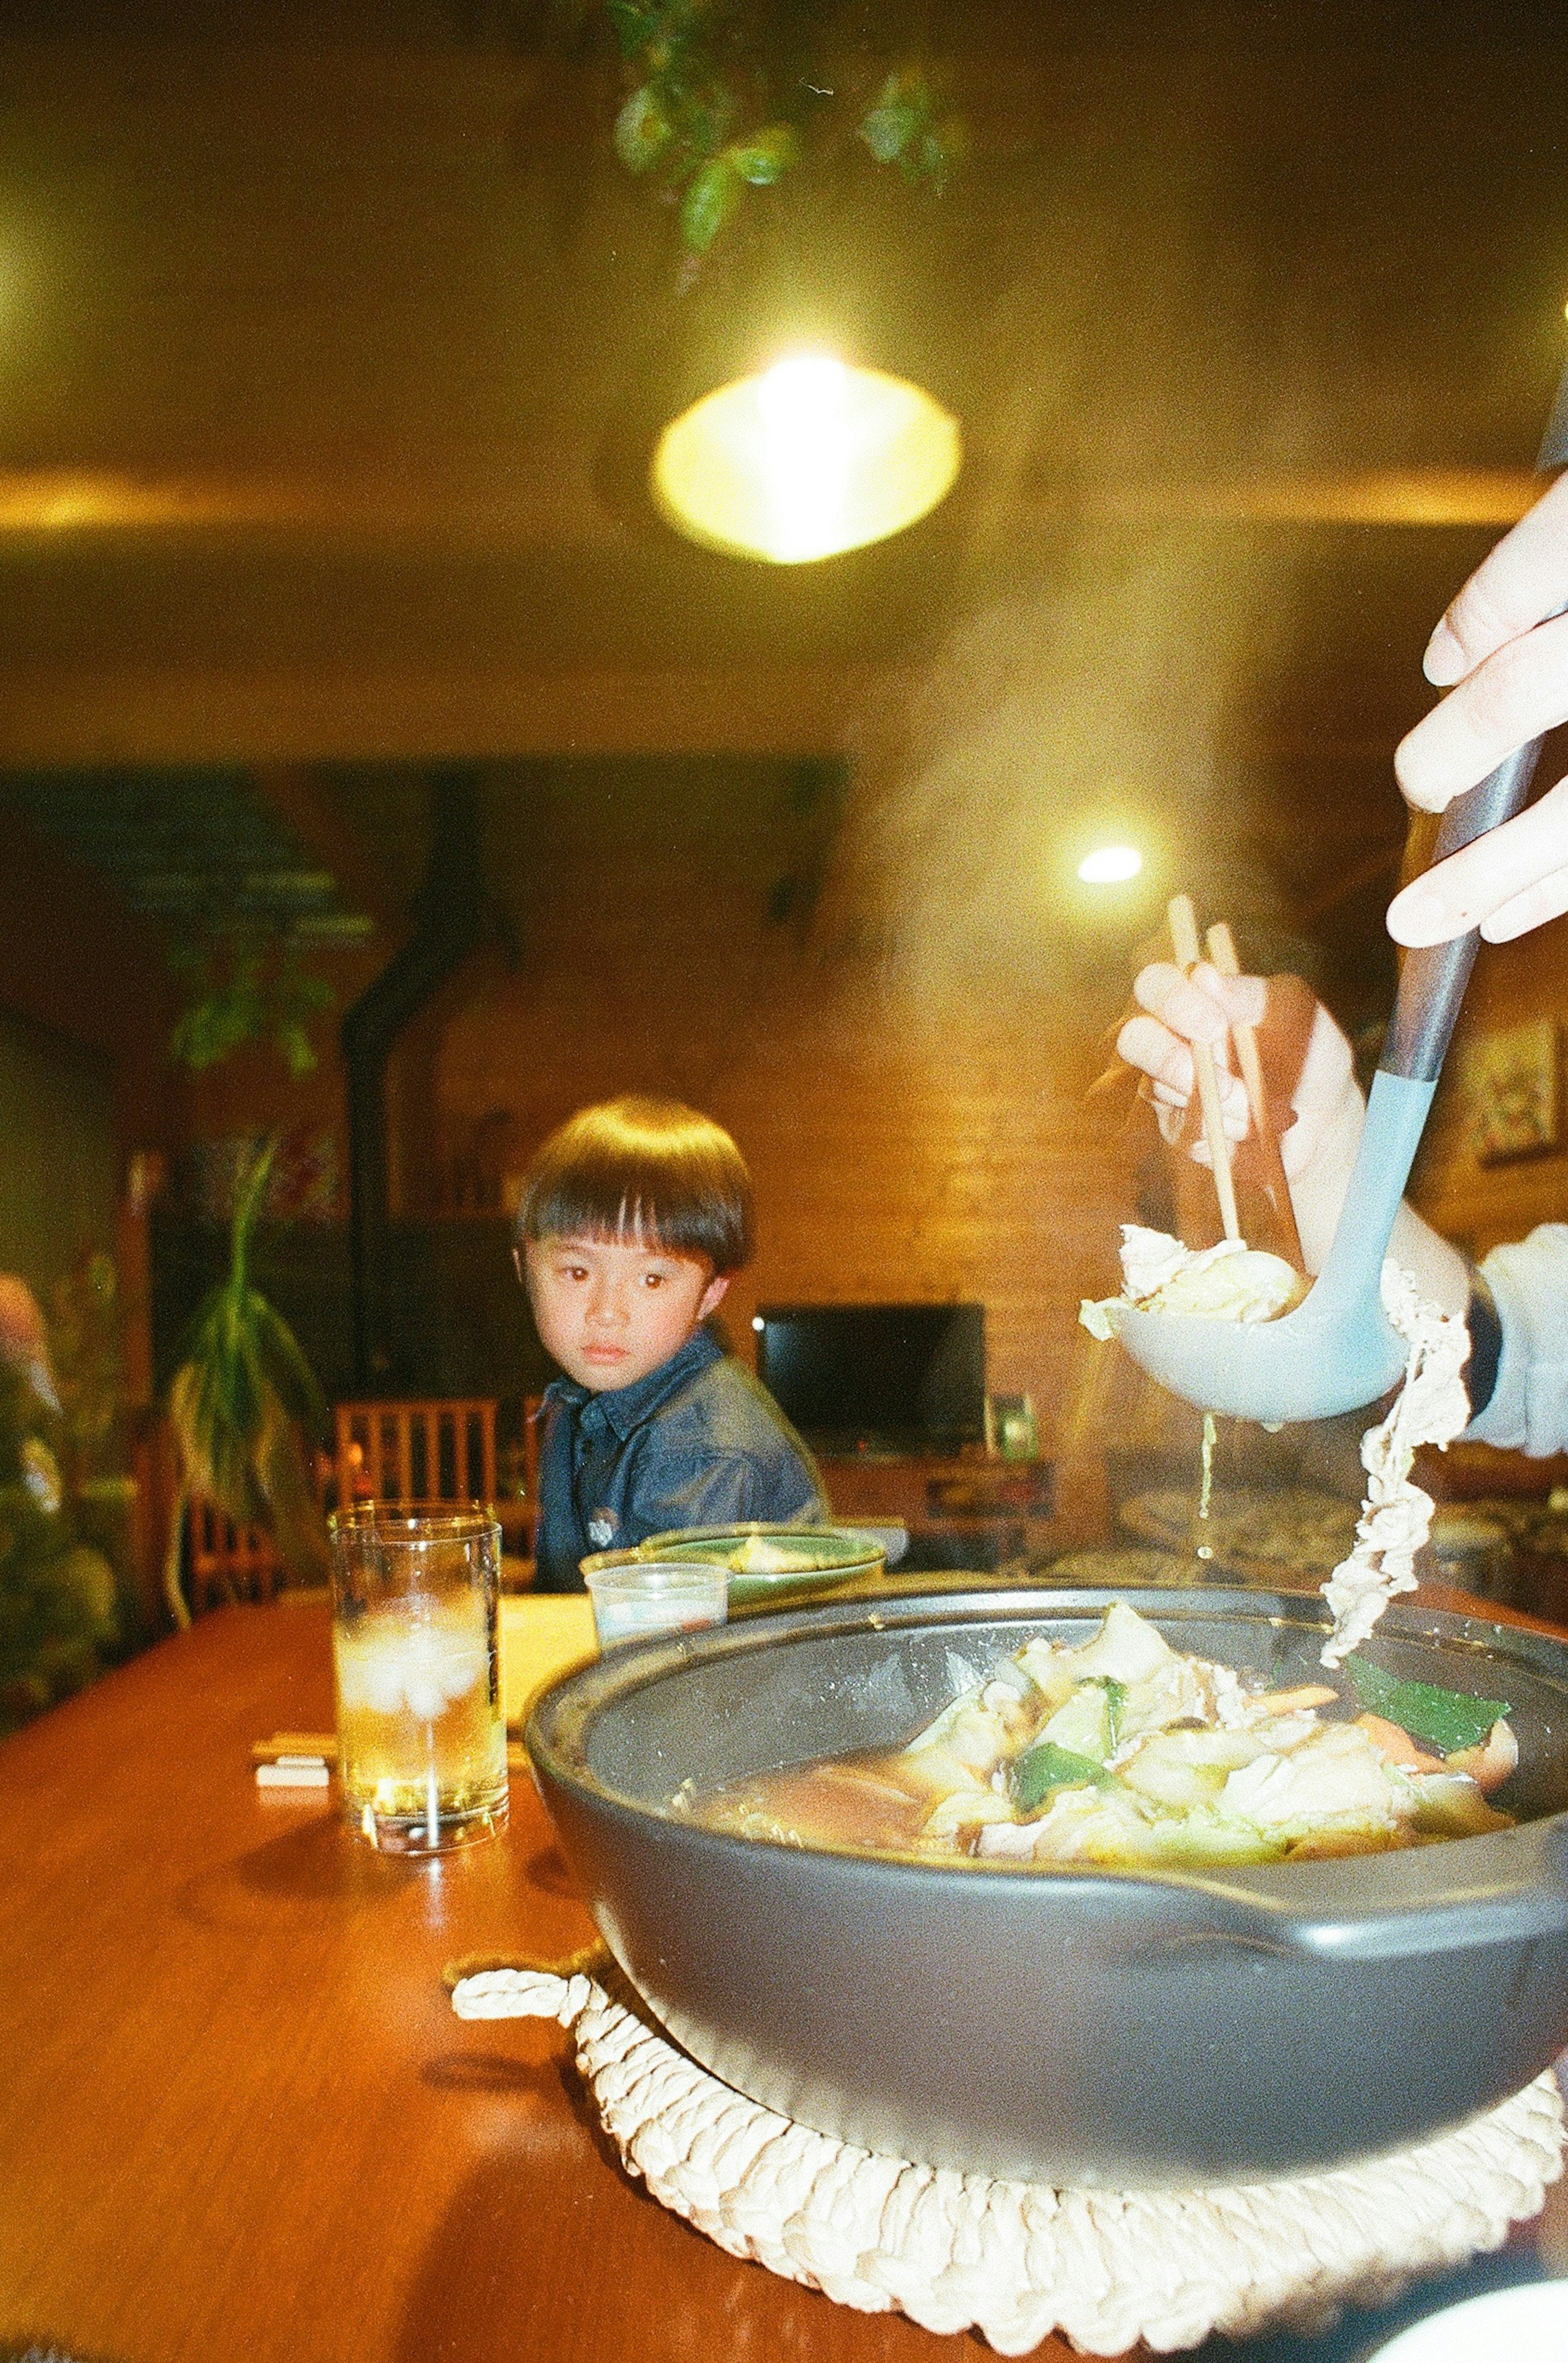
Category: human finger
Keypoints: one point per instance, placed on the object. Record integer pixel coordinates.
(1519, 583)
(1547, 899)
(1162, 1056)
(1491, 872)
(1167, 1061)
(1203, 1006)
(1517, 693)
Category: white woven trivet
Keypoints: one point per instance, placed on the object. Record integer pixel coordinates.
(1018, 2260)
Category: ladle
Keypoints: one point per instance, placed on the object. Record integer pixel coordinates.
(1338, 1350)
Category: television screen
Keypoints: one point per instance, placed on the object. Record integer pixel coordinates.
(878, 1378)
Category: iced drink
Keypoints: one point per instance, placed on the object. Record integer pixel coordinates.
(422, 1745)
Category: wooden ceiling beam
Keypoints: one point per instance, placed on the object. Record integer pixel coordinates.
(286, 719)
(544, 498)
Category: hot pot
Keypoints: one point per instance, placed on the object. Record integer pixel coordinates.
(1116, 2028)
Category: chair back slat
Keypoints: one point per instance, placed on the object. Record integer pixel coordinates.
(435, 1449)
(225, 1561)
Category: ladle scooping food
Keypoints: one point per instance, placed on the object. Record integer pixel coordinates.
(1338, 1350)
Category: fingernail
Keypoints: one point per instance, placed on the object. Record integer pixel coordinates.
(1414, 790)
(1444, 660)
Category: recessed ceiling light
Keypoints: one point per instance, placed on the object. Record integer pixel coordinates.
(809, 459)
(1110, 865)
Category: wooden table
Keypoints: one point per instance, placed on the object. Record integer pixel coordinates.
(238, 2119)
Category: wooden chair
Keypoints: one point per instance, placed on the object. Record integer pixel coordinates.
(225, 1561)
(439, 1450)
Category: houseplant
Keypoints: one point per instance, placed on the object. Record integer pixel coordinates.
(244, 1405)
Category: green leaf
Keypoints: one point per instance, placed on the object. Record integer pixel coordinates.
(644, 131)
(888, 129)
(634, 22)
(711, 195)
(1446, 1720)
(766, 155)
(296, 1044)
(288, 1373)
(1044, 1768)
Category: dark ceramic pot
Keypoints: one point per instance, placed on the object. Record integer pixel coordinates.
(1113, 2027)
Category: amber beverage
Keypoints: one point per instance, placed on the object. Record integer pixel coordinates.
(421, 1737)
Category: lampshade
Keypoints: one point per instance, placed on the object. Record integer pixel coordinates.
(810, 457)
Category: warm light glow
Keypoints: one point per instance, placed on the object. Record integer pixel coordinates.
(809, 459)
(1110, 865)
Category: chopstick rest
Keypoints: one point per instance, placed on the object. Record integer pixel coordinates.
(292, 1772)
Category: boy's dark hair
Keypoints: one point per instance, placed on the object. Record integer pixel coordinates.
(647, 1170)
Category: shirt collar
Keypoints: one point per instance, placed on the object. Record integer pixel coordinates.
(624, 1409)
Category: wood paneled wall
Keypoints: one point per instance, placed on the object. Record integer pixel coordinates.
(1479, 1206)
(74, 957)
(901, 1149)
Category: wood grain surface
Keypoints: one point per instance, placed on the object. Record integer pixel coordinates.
(238, 2119)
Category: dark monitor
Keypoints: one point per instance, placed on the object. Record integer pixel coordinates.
(878, 1378)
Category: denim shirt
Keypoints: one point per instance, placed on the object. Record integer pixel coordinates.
(697, 1443)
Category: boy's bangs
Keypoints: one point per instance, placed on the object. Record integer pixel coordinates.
(618, 1215)
(643, 1173)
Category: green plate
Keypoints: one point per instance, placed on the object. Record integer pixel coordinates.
(811, 1562)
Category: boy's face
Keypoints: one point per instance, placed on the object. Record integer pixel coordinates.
(610, 1310)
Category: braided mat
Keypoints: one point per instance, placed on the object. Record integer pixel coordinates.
(1018, 2260)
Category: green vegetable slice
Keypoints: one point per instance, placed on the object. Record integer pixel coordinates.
(1446, 1720)
(1115, 1698)
(1047, 1767)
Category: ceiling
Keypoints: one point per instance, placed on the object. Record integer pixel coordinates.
(331, 337)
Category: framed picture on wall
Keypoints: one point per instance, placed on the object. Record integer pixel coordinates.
(1011, 1433)
(1513, 1091)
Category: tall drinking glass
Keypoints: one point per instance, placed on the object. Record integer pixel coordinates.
(421, 1737)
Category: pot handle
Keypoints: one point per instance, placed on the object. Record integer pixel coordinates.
(1526, 1897)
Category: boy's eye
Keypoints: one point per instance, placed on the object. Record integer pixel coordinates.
(653, 1280)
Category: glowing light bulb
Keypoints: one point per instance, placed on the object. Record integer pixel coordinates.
(808, 460)
(1110, 865)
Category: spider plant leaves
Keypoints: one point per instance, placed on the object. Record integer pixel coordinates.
(244, 1394)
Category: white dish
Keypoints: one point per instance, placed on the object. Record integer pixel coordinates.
(1529, 2325)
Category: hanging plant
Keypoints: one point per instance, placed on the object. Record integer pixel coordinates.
(246, 985)
(722, 100)
(726, 97)
(243, 1404)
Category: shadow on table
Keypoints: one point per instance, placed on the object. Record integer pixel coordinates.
(309, 1863)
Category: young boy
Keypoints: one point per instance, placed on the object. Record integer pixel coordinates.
(634, 1216)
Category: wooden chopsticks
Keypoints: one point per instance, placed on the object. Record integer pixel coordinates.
(1205, 1068)
(1222, 952)
(1182, 921)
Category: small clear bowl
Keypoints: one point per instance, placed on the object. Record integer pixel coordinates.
(634, 1598)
